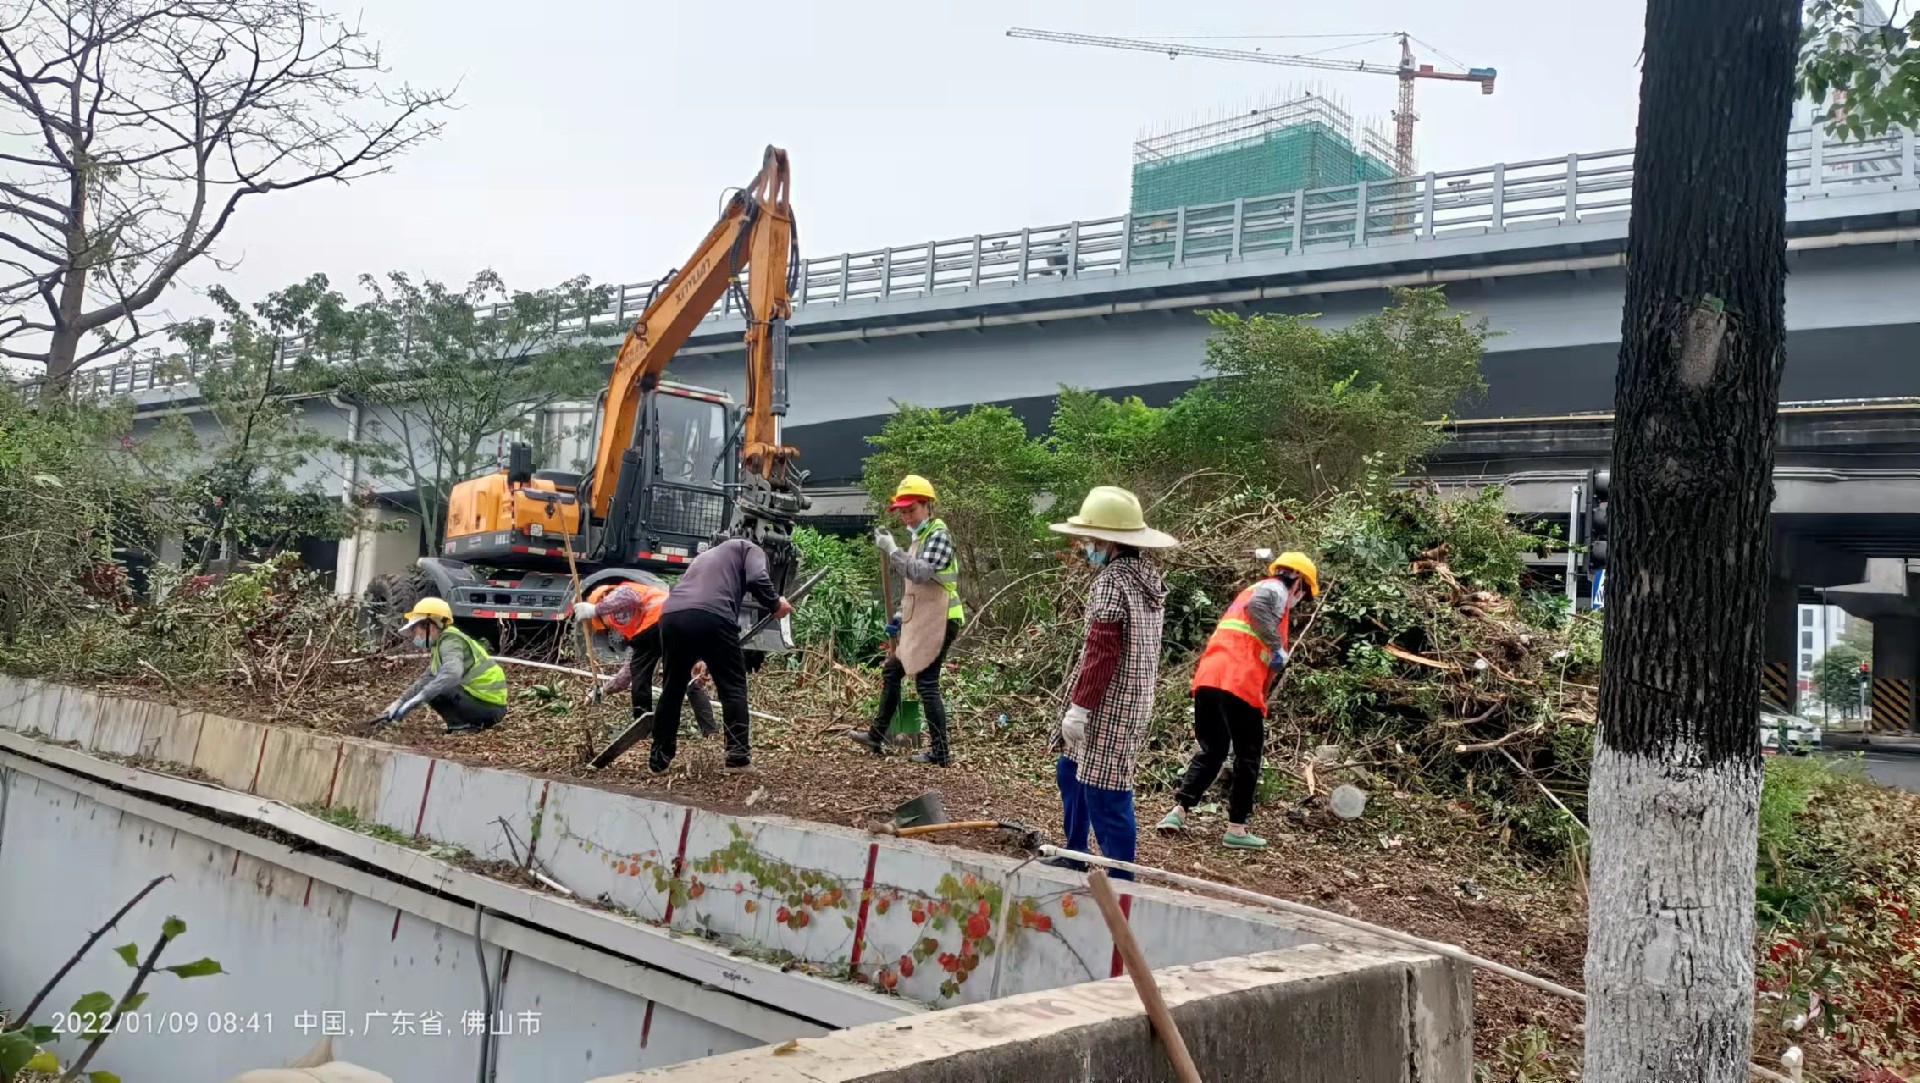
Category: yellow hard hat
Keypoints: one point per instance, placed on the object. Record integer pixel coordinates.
(912, 487)
(1301, 563)
(433, 609)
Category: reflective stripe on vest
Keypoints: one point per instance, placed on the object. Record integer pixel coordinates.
(949, 576)
(645, 615)
(484, 680)
(1236, 659)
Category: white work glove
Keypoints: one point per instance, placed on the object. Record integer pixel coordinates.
(884, 539)
(1073, 730)
(584, 611)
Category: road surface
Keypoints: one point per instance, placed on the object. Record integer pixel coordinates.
(1894, 769)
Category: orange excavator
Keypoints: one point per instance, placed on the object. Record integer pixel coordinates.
(675, 467)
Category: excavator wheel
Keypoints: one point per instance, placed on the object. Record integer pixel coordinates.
(388, 598)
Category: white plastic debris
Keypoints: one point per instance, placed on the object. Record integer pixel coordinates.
(1348, 802)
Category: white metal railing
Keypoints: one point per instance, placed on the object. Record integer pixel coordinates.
(1505, 197)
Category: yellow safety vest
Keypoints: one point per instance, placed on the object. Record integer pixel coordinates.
(949, 576)
(484, 680)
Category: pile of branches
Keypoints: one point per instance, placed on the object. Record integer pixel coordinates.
(270, 629)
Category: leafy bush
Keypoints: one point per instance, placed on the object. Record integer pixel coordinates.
(70, 509)
(1315, 411)
(842, 614)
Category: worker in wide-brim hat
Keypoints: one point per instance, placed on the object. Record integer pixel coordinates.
(463, 684)
(1245, 656)
(1110, 692)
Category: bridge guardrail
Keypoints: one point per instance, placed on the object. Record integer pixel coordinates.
(1506, 196)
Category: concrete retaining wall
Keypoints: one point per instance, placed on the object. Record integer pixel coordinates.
(295, 950)
(1308, 1015)
(745, 920)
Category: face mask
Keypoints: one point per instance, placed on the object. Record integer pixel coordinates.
(419, 639)
(1095, 555)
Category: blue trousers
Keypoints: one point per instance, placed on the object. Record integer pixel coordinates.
(1107, 814)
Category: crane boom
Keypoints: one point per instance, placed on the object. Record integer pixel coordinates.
(1406, 71)
(1209, 52)
(755, 230)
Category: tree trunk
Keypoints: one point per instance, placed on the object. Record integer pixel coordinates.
(1676, 771)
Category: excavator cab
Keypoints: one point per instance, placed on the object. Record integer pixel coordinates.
(676, 480)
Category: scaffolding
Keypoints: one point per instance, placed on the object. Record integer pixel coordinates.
(1308, 141)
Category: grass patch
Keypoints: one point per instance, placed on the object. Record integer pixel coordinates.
(350, 819)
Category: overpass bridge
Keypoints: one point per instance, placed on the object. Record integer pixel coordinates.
(1115, 304)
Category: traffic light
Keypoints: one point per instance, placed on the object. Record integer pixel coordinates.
(1593, 525)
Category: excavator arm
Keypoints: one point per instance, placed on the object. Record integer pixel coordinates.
(754, 231)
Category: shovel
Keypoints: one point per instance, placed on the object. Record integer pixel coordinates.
(927, 815)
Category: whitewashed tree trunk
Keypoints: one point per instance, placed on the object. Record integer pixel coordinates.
(1674, 800)
(1670, 954)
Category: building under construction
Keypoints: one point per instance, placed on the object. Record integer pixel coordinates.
(1308, 141)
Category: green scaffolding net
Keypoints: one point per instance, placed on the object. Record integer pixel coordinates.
(1308, 142)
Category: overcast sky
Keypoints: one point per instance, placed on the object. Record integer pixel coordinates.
(595, 136)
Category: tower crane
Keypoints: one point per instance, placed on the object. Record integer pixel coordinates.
(1407, 71)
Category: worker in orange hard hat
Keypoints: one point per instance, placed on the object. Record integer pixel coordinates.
(1246, 654)
(629, 612)
(930, 617)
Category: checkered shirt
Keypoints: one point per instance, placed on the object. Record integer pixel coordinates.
(1131, 592)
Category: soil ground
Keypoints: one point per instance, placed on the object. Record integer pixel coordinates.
(1411, 863)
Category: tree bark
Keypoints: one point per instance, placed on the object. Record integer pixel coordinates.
(1676, 772)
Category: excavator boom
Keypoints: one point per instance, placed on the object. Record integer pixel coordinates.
(755, 230)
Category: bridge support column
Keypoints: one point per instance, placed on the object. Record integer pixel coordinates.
(390, 543)
(1779, 679)
(1896, 675)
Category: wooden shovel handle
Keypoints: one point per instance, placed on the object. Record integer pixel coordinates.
(928, 829)
(1143, 982)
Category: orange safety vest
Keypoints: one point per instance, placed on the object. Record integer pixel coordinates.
(1236, 658)
(652, 600)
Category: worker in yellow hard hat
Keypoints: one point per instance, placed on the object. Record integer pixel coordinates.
(463, 684)
(929, 618)
(1243, 659)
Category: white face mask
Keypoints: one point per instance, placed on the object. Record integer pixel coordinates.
(419, 639)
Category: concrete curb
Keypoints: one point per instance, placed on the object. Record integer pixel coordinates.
(1889, 744)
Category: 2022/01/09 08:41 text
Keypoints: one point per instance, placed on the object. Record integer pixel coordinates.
(139, 1022)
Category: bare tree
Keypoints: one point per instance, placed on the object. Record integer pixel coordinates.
(132, 130)
(1675, 792)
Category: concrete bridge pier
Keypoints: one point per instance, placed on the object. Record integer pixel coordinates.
(1799, 561)
(1778, 683)
(1896, 674)
(1888, 596)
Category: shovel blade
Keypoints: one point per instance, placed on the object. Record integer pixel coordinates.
(921, 811)
(642, 727)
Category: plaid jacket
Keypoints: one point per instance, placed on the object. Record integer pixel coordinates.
(1129, 591)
